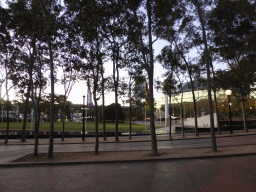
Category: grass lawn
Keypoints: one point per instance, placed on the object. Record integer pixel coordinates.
(70, 126)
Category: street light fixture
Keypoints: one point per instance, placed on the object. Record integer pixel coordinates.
(83, 136)
(228, 93)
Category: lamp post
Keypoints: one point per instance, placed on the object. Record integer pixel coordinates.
(228, 93)
(83, 136)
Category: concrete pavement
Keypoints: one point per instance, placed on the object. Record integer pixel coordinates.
(73, 150)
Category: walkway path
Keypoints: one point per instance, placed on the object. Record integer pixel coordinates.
(73, 150)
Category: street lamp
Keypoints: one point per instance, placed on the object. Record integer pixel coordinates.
(83, 136)
(228, 93)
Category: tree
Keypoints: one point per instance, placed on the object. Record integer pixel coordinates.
(50, 13)
(69, 75)
(115, 34)
(8, 53)
(110, 113)
(233, 25)
(103, 101)
(22, 31)
(150, 71)
(142, 34)
(192, 69)
(199, 10)
(88, 24)
(176, 60)
(135, 80)
(168, 88)
(186, 12)
(33, 23)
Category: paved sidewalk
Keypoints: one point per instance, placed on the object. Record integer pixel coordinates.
(134, 138)
(19, 155)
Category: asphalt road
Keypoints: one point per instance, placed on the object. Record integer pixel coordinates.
(217, 174)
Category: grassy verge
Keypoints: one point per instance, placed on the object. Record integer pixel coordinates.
(70, 126)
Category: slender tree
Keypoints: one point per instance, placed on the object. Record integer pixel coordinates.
(6, 54)
(199, 11)
(115, 34)
(103, 101)
(168, 88)
(141, 33)
(50, 20)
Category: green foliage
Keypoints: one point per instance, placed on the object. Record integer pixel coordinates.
(5, 20)
(233, 24)
(110, 113)
(169, 85)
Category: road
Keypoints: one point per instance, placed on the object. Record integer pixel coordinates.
(218, 174)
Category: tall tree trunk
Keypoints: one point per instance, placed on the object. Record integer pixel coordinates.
(195, 110)
(8, 104)
(130, 109)
(192, 87)
(50, 149)
(151, 77)
(63, 119)
(170, 127)
(217, 111)
(181, 106)
(36, 104)
(216, 103)
(36, 129)
(194, 101)
(24, 126)
(7, 121)
(182, 115)
(96, 126)
(116, 113)
(103, 103)
(95, 88)
(207, 60)
(83, 129)
(63, 124)
(116, 78)
(244, 116)
(35, 107)
(38, 121)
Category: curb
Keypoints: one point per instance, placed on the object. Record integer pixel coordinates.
(154, 158)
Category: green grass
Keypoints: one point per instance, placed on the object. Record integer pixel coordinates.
(69, 126)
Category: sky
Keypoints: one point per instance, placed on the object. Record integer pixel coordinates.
(80, 88)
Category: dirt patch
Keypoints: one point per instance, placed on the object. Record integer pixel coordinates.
(92, 157)
(84, 156)
(57, 157)
(133, 155)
